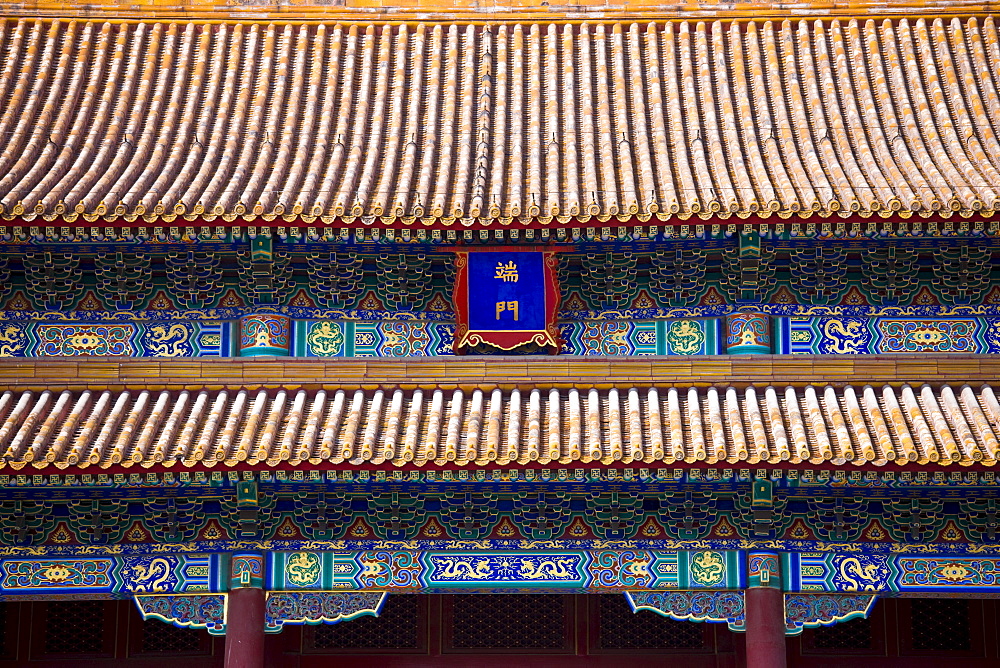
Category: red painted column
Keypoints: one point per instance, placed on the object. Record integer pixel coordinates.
(765, 612)
(765, 627)
(245, 628)
(245, 610)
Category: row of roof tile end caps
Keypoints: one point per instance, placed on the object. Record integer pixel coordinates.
(815, 425)
(840, 139)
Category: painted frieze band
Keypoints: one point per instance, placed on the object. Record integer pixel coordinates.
(107, 577)
(571, 570)
(699, 334)
(326, 586)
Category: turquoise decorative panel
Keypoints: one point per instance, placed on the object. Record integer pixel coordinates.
(710, 569)
(322, 338)
(403, 339)
(608, 337)
(687, 337)
(643, 337)
(311, 570)
(386, 338)
(609, 569)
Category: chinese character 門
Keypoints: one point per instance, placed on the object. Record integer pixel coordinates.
(506, 272)
(509, 307)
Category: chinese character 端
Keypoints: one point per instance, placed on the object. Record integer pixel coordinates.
(507, 272)
(510, 307)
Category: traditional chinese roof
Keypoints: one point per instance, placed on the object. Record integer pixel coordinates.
(540, 122)
(370, 423)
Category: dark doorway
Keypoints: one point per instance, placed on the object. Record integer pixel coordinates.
(487, 630)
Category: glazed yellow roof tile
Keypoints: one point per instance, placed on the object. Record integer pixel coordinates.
(413, 428)
(433, 123)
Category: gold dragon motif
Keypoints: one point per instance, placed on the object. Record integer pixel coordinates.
(465, 568)
(845, 336)
(152, 577)
(547, 568)
(11, 338)
(860, 577)
(167, 340)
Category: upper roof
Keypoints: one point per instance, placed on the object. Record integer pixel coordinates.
(438, 122)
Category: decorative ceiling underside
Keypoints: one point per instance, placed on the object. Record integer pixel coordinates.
(427, 124)
(724, 425)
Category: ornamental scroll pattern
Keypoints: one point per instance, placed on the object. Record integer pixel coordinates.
(22, 575)
(748, 333)
(320, 607)
(947, 573)
(763, 570)
(247, 570)
(807, 611)
(693, 606)
(382, 568)
(622, 569)
(927, 336)
(842, 334)
(206, 611)
(86, 340)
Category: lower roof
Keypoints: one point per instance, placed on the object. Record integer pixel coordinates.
(507, 372)
(766, 421)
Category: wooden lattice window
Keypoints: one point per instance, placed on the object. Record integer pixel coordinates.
(853, 636)
(160, 638)
(78, 628)
(509, 623)
(940, 624)
(8, 629)
(621, 630)
(400, 628)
